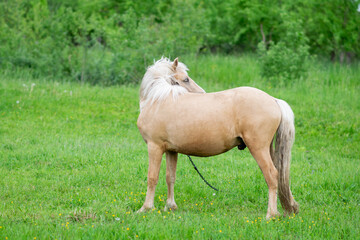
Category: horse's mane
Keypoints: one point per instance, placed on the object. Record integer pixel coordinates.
(156, 83)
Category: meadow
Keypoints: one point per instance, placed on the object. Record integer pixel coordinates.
(73, 164)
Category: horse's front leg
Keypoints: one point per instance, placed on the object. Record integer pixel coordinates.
(155, 155)
(171, 162)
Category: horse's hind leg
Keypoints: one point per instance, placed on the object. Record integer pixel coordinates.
(263, 159)
(155, 156)
(171, 162)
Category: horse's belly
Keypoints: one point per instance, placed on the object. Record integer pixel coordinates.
(203, 147)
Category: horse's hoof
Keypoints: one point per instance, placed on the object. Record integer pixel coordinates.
(172, 207)
(295, 207)
(271, 216)
(144, 209)
(294, 210)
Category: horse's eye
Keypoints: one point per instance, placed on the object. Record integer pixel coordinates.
(186, 80)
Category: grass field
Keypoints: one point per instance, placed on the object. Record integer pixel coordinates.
(73, 164)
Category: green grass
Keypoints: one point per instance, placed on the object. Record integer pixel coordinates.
(73, 164)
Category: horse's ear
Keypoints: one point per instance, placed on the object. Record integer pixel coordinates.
(175, 64)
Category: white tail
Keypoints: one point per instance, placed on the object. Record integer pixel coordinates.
(285, 136)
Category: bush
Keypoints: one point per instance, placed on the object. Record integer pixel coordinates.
(112, 41)
(286, 60)
(90, 43)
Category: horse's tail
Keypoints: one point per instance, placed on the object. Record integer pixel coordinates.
(285, 136)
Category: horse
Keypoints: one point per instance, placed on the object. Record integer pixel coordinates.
(178, 116)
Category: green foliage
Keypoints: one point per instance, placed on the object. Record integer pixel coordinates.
(237, 24)
(77, 40)
(286, 60)
(332, 27)
(112, 41)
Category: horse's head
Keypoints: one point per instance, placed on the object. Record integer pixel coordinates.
(181, 78)
(166, 78)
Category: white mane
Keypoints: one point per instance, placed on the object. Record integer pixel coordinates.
(156, 83)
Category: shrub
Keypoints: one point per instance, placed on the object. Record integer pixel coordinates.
(286, 60)
(90, 43)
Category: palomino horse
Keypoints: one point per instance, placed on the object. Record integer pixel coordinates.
(177, 116)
